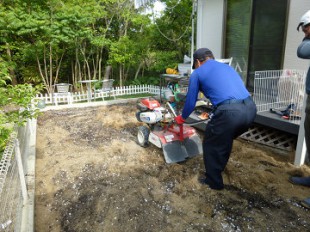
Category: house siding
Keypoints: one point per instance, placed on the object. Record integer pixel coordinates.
(293, 38)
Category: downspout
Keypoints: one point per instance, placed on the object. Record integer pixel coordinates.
(194, 10)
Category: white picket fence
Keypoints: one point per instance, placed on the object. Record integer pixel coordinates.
(75, 97)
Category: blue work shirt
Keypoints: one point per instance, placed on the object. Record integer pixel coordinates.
(217, 81)
(303, 52)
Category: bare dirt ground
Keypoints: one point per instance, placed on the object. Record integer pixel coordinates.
(92, 176)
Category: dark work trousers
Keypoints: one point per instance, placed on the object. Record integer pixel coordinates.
(228, 122)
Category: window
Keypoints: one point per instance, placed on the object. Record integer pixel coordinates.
(255, 34)
(238, 19)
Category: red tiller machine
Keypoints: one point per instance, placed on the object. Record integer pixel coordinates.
(178, 142)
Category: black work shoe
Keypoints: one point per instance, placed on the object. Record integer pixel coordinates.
(204, 181)
(306, 203)
(305, 181)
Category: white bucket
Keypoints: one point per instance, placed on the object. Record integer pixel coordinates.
(168, 94)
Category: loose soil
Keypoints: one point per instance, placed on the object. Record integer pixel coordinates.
(91, 175)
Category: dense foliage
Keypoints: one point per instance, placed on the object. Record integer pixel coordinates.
(66, 41)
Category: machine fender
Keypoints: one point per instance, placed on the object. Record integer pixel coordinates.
(154, 139)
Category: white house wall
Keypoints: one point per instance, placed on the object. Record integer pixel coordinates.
(293, 37)
(210, 30)
(210, 25)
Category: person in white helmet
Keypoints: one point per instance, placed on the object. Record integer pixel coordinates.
(303, 52)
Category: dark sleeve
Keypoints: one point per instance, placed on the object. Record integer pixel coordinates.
(303, 50)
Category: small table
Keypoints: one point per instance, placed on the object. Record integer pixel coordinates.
(88, 85)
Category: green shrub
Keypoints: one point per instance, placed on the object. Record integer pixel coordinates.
(16, 107)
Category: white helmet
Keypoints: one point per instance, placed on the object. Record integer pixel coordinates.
(304, 20)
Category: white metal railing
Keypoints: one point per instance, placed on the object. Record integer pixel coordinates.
(279, 90)
(14, 192)
(10, 188)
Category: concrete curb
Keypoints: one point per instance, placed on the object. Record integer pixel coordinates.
(27, 217)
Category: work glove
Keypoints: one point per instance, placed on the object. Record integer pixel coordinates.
(179, 120)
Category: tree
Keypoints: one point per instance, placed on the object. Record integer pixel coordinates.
(54, 40)
(172, 31)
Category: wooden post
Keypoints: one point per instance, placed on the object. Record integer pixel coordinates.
(301, 150)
